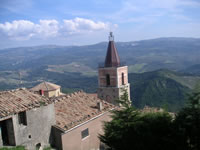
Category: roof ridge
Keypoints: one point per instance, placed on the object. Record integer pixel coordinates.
(46, 85)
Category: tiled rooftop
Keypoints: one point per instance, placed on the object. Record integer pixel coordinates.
(45, 86)
(15, 101)
(76, 108)
(71, 110)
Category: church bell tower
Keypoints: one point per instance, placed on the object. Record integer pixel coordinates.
(112, 75)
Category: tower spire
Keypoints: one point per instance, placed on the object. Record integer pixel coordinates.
(112, 57)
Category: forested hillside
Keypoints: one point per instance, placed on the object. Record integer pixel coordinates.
(75, 68)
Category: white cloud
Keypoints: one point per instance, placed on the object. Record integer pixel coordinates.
(48, 28)
(24, 29)
(79, 25)
(21, 29)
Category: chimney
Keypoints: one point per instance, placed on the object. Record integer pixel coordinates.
(100, 106)
(41, 92)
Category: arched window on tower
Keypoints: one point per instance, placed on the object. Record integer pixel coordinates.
(122, 78)
(107, 79)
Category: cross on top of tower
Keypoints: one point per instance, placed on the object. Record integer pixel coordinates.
(111, 37)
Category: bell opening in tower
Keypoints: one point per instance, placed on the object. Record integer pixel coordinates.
(107, 79)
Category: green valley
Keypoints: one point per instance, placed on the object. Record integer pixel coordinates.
(76, 67)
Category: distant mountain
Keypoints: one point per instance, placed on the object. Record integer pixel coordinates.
(75, 67)
(194, 69)
(161, 88)
(141, 56)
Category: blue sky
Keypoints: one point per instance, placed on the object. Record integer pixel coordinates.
(80, 22)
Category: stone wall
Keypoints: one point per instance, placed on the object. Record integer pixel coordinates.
(115, 90)
(111, 94)
(121, 70)
(102, 76)
(38, 128)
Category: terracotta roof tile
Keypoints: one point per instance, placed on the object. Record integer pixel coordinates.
(45, 86)
(15, 101)
(77, 108)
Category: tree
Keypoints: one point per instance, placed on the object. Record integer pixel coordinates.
(187, 123)
(131, 129)
(118, 128)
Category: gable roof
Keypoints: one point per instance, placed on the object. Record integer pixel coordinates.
(74, 109)
(18, 100)
(112, 57)
(45, 86)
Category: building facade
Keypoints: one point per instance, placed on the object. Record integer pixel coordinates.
(67, 122)
(112, 75)
(25, 119)
(78, 126)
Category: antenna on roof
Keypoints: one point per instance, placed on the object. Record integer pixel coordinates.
(111, 37)
(20, 80)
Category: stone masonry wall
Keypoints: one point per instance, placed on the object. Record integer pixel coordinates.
(121, 70)
(39, 124)
(115, 90)
(102, 76)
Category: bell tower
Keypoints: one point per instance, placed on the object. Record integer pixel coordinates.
(112, 75)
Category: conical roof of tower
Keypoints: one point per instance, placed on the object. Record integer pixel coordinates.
(112, 57)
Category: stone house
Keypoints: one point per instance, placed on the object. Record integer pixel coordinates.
(79, 121)
(25, 119)
(47, 89)
(67, 122)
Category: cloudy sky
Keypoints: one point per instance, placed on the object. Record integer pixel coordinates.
(80, 22)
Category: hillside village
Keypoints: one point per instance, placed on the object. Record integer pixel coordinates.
(68, 83)
(44, 116)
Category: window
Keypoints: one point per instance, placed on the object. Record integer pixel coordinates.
(38, 146)
(122, 78)
(22, 118)
(85, 133)
(107, 79)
